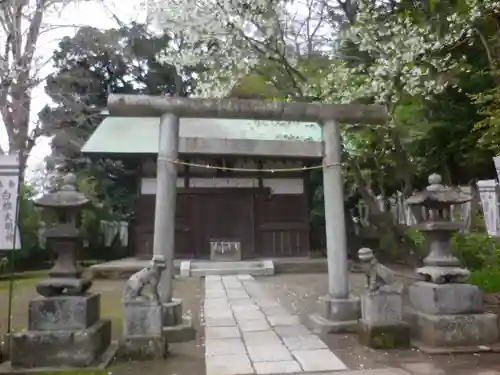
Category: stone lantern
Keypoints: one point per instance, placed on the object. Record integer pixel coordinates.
(64, 325)
(445, 313)
(64, 238)
(440, 266)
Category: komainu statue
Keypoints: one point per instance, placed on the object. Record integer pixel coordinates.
(149, 275)
(379, 277)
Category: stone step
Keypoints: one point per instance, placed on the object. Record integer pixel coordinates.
(200, 268)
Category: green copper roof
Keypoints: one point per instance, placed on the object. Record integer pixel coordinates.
(139, 135)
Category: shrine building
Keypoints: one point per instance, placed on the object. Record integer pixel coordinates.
(249, 199)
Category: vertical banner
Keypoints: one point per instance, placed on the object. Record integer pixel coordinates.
(9, 187)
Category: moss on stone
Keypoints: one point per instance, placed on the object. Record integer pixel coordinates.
(388, 336)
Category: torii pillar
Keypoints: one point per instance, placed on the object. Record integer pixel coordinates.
(340, 310)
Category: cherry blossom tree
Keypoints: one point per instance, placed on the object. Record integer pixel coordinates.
(375, 51)
(22, 22)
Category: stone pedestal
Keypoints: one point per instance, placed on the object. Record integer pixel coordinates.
(63, 331)
(381, 325)
(336, 315)
(143, 336)
(449, 317)
(176, 328)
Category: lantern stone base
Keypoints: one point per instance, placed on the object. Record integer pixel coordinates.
(446, 299)
(433, 333)
(64, 331)
(337, 315)
(446, 317)
(61, 348)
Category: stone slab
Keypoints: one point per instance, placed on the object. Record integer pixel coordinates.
(103, 362)
(446, 299)
(384, 335)
(268, 353)
(232, 364)
(172, 312)
(322, 326)
(453, 330)
(143, 319)
(283, 320)
(220, 322)
(340, 309)
(181, 332)
(278, 367)
(143, 348)
(274, 310)
(80, 348)
(249, 314)
(222, 332)
(224, 346)
(253, 325)
(384, 371)
(382, 308)
(63, 312)
(318, 360)
(261, 338)
(304, 342)
(295, 330)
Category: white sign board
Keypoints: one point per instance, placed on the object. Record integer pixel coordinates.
(496, 160)
(9, 184)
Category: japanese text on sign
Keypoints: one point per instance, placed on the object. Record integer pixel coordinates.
(9, 180)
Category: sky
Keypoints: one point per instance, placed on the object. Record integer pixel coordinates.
(81, 13)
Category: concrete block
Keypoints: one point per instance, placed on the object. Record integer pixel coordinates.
(80, 348)
(63, 312)
(340, 309)
(336, 315)
(384, 335)
(185, 268)
(268, 267)
(465, 330)
(172, 312)
(382, 308)
(143, 348)
(446, 299)
(142, 318)
(181, 332)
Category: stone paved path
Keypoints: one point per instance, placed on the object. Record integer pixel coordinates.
(247, 331)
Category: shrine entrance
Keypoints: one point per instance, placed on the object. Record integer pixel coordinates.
(341, 310)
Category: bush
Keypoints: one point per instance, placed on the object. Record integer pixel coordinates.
(476, 250)
(488, 279)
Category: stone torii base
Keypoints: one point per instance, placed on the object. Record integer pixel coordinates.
(340, 309)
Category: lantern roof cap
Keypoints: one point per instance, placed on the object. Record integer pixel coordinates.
(437, 193)
(66, 197)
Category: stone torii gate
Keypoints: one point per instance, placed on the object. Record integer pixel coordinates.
(341, 310)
